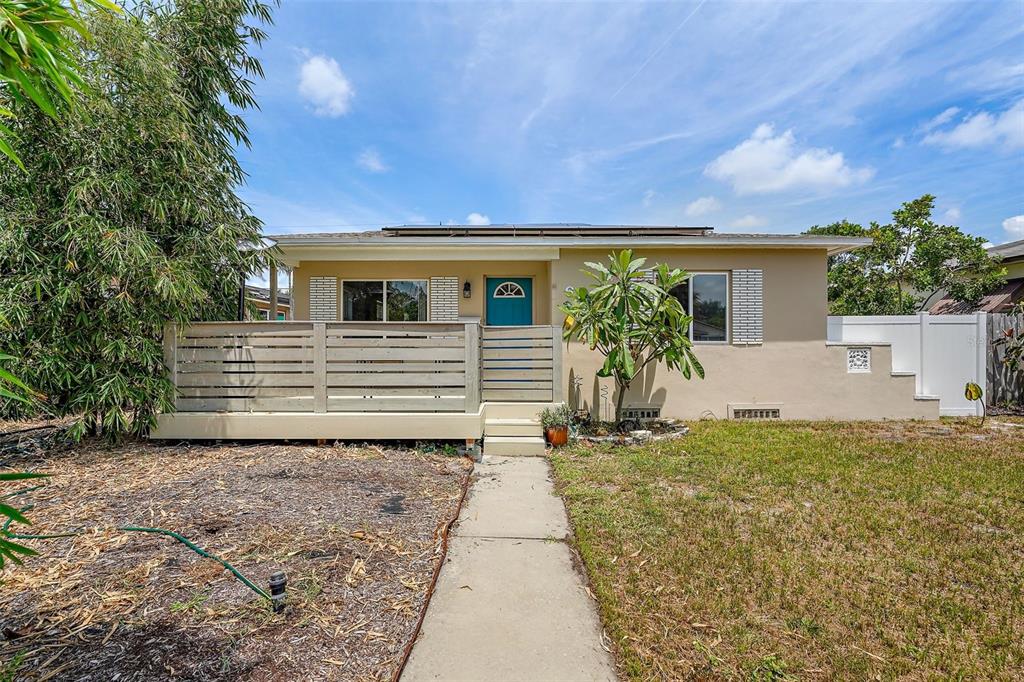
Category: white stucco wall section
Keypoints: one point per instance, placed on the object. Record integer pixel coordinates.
(944, 352)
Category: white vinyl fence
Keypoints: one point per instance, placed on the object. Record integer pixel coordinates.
(943, 351)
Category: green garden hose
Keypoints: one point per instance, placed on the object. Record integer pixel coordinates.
(201, 552)
(159, 531)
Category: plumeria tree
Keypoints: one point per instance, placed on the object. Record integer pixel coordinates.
(631, 320)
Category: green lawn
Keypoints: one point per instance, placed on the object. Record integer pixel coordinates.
(847, 551)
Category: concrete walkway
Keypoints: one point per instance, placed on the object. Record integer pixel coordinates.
(509, 604)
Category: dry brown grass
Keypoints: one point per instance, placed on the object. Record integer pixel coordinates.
(109, 603)
(824, 551)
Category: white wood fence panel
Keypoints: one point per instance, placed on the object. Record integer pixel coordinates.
(943, 351)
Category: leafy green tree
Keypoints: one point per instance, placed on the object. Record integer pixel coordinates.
(631, 321)
(127, 216)
(12, 389)
(910, 259)
(37, 57)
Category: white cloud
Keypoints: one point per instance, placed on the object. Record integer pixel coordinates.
(477, 219)
(1004, 129)
(649, 197)
(322, 82)
(898, 143)
(952, 216)
(939, 120)
(767, 162)
(702, 206)
(993, 74)
(1014, 227)
(369, 159)
(748, 221)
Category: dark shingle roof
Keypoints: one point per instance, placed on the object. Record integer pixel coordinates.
(1009, 251)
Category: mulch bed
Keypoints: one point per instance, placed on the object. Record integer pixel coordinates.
(357, 530)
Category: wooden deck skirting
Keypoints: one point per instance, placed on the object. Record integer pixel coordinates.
(289, 373)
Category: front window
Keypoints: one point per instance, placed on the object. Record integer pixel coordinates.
(705, 296)
(384, 300)
(407, 301)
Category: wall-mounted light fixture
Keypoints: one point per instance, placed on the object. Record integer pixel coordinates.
(467, 290)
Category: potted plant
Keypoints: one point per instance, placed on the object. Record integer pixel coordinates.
(555, 421)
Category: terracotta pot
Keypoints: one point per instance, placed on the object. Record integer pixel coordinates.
(557, 436)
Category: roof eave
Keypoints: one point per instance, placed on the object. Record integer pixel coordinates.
(833, 245)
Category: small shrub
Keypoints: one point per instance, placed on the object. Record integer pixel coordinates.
(559, 415)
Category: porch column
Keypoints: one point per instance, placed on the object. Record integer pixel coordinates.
(472, 366)
(273, 293)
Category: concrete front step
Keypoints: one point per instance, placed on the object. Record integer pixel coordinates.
(513, 446)
(507, 410)
(512, 427)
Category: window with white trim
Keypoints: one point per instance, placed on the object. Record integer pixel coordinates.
(705, 296)
(389, 300)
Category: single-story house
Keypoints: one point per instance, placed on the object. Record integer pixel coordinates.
(384, 313)
(1003, 299)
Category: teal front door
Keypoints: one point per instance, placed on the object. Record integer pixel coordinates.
(509, 301)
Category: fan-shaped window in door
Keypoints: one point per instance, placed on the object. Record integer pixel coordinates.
(509, 290)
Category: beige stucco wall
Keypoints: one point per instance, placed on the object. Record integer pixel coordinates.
(795, 297)
(472, 271)
(1014, 270)
(807, 379)
(793, 367)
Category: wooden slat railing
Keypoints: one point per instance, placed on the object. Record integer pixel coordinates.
(324, 367)
(418, 367)
(242, 367)
(520, 364)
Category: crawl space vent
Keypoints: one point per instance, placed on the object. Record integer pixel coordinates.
(641, 412)
(755, 411)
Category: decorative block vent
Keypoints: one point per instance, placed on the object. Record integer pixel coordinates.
(747, 307)
(323, 299)
(444, 299)
(641, 412)
(756, 411)
(858, 360)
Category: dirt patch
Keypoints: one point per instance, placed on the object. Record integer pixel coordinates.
(356, 530)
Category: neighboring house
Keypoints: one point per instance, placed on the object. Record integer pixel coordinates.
(259, 297)
(455, 332)
(1000, 300)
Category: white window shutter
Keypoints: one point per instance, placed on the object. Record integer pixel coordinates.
(323, 299)
(444, 299)
(747, 307)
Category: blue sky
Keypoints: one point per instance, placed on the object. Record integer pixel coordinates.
(763, 117)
